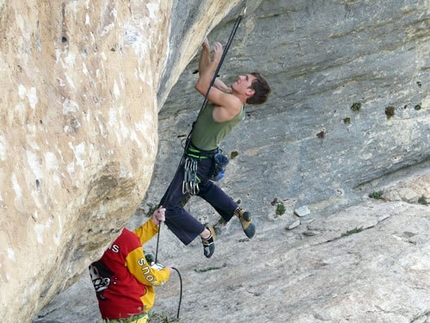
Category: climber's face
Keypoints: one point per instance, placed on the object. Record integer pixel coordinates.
(243, 84)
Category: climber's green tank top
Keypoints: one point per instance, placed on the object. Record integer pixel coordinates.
(208, 133)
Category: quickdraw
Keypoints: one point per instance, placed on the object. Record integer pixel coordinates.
(190, 184)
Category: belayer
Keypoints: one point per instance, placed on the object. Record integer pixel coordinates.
(197, 171)
(124, 278)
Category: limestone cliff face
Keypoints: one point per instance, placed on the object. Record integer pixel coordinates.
(83, 82)
(78, 133)
(78, 136)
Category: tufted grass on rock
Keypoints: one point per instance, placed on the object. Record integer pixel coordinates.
(280, 209)
(234, 154)
(356, 106)
(151, 210)
(390, 111)
(376, 195)
(422, 200)
(152, 318)
(210, 268)
(161, 318)
(353, 231)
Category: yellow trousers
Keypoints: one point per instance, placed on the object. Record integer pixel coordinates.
(143, 319)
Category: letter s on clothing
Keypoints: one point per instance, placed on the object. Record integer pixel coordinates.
(115, 248)
(141, 262)
(146, 271)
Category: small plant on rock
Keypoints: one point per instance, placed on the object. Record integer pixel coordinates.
(151, 210)
(206, 269)
(356, 106)
(390, 111)
(353, 231)
(376, 195)
(280, 209)
(234, 154)
(160, 318)
(422, 200)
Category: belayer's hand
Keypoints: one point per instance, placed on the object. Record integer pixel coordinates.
(159, 215)
(157, 266)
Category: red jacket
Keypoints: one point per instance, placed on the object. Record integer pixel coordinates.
(123, 279)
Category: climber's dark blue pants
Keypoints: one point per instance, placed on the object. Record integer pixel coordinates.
(179, 221)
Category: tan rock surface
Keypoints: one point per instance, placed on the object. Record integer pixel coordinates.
(78, 136)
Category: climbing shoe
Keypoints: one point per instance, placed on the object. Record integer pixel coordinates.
(247, 225)
(208, 243)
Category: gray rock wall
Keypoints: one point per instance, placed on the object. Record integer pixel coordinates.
(367, 263)
(335, 69)
(326, 140)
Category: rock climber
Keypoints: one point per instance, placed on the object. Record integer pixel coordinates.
(224, 111)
